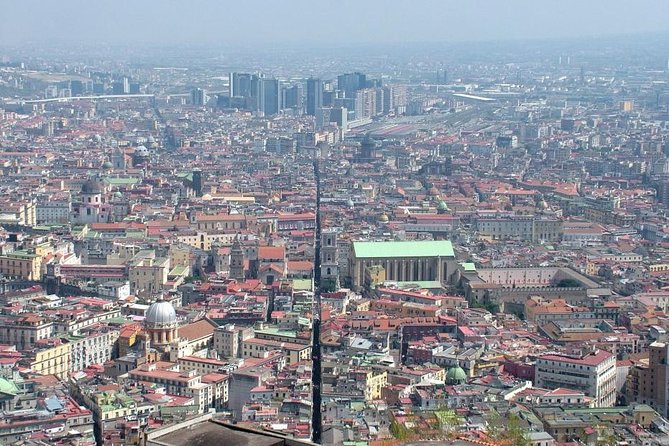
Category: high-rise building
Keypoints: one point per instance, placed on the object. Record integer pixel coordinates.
(291, 97)
(117, 88)
(98, 88)
(339, 115)
(240, 84)
(122, 86)
(365, 103)
(270, 97)
(380, 97)
(314, 96)
(198, 97)
(76, 88)
(649, 383)
(349, 83)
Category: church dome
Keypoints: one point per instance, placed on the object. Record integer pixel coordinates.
(161, 314)
(456, 375)
(384, 218)
(107, 165)
(91, 187)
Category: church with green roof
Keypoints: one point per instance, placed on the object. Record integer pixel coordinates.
(403, 261)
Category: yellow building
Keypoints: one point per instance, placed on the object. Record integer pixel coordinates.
(112, 405)
(226, 222)
(260, 348)
(180, 256)
(626, 106)
(374, 384)
(148, 275)
(204, 240)
(52, 361)
(658, 267)
(21, 264)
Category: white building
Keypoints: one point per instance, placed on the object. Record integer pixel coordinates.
(93, 207)
(593, 374)
(54, 210)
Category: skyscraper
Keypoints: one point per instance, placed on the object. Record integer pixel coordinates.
(198, 97)
(349, 83)
(365, 103)
(291, 97)
(314, 96)
(240, 84)
(270, 96)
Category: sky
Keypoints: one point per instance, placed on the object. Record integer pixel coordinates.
(320, 22)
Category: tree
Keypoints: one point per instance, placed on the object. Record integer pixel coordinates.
(606, 272)
(515, 433)
(399, 430)
(605, 436)
(494, 424)
(448, 421)
(569, 283)
(508, 431)
(328, 285)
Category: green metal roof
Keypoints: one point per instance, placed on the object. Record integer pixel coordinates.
(469, 267)
(8, 387)
(277, 332)
(376, 250)
(121, 181)
(302, 284)
(21, 254)
(187, 175)
(423, 284)
(178, 271)
(456, 375)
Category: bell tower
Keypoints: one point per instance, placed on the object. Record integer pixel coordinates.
(237, 260)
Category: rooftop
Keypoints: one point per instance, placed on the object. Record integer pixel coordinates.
(437, 248)
(215, 433)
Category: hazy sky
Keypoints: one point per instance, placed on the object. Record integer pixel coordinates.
(330, 22)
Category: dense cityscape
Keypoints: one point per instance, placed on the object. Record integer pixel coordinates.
(463, 244)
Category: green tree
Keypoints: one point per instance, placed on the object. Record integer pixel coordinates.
(494, 424)
(515, 433)
(399, 430)
(605, 436)
(569, 283)
(448, 421)
(509, 431)
(328, 285)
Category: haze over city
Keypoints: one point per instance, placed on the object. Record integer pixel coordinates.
(304, 22)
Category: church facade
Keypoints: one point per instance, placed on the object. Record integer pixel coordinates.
(403, 261)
